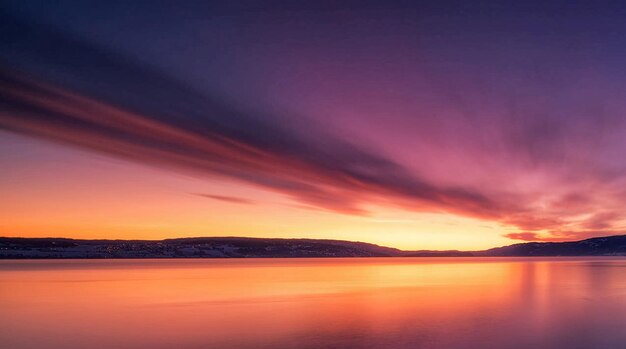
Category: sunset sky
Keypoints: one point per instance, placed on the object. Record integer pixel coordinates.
(441, 126)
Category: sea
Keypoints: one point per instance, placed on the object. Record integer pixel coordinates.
(438, 303)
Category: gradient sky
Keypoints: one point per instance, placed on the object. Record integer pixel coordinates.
(449, 125)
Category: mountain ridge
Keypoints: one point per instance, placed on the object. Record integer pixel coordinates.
(247, 247)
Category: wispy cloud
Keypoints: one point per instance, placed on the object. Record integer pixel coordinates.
(230, 199)
(557, 236)
(144, 116)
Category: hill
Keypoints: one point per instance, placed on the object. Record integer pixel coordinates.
(240, 247)
(211, 247)
(602, 246)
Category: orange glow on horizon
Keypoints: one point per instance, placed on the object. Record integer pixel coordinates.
(71, 193)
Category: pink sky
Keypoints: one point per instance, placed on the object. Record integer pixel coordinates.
(395, 127)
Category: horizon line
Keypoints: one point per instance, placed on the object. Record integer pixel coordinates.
(312, 239)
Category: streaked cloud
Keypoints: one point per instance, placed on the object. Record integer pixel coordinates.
(229, 199)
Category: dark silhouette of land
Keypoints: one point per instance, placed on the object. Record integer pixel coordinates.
(239, 247)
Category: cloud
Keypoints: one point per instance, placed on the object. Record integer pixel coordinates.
(230, 199)
(532, 237)
(603, 220)
(95, 99)
(340, 180)
(558, 236)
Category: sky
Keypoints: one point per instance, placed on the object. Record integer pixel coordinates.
(417, 125)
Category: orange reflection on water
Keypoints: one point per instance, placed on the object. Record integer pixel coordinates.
(312, 303)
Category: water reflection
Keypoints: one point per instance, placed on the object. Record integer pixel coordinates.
(313, 303)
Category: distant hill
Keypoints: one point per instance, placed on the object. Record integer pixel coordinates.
(209, 247)
(238, 247)
(602, 246)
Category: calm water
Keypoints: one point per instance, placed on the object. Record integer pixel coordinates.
(314, 303)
